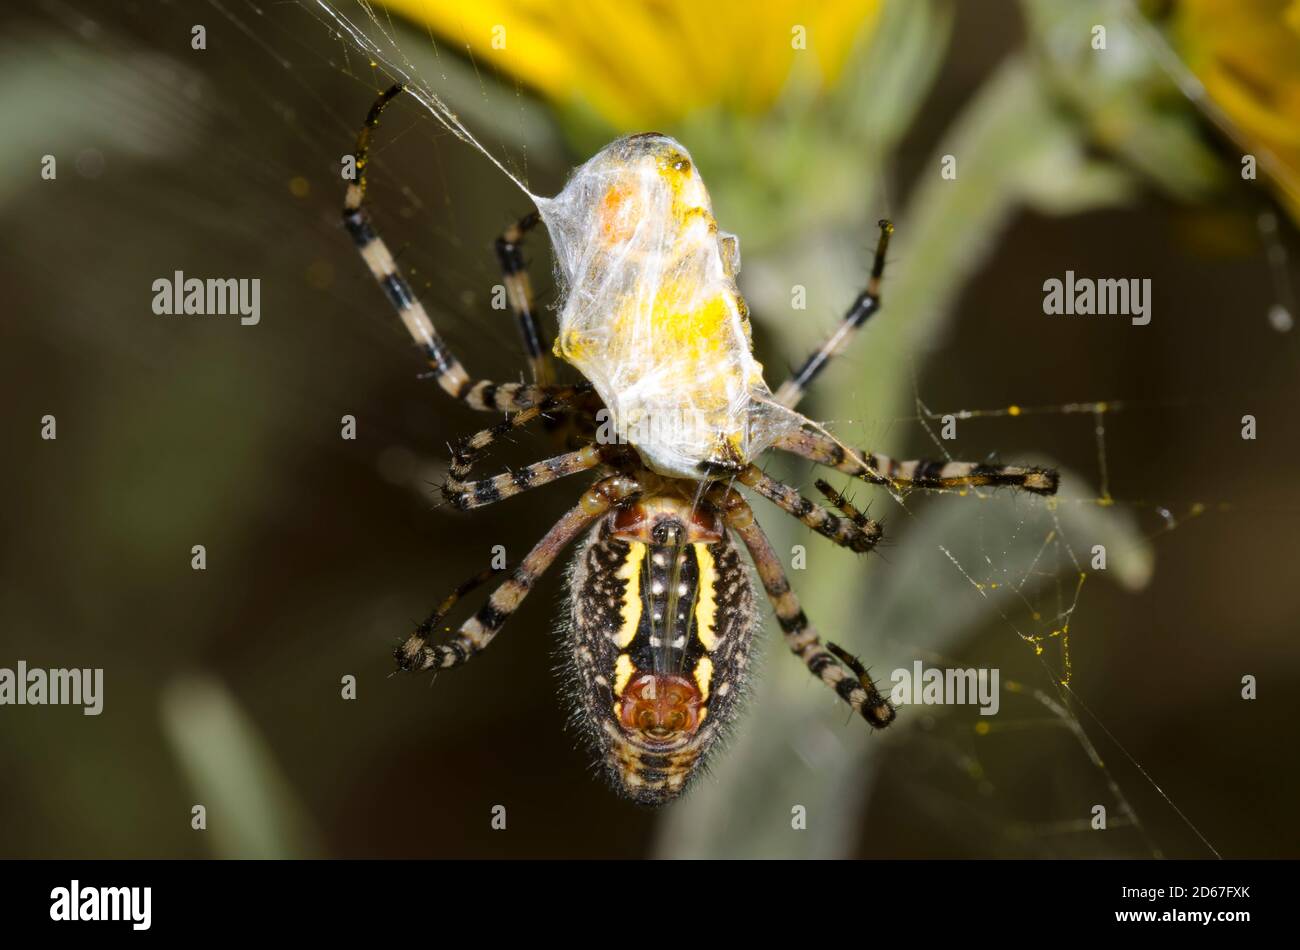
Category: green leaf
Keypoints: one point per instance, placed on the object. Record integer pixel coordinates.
(252, 811)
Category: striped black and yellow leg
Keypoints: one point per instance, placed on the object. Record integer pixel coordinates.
(828, 662)
(468, 450)
(469, 586)
(866, 304)
(842, 504)
(465, 494)
(417, 653)
(920, 473)
(485, 491)
(519, 291)
(447, 369)
(847, 532)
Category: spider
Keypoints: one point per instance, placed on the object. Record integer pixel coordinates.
(661, 608)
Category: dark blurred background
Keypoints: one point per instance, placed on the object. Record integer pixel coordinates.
(222, 687)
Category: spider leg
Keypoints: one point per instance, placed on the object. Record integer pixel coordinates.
(519, 291)
(842, 504)
(466, 587)
(849, 532)
(477, 632)
(828, 662)
(465, 494)
(484, 491)
(867, 303)
(469, 449)
(883, 470)
(447, 369)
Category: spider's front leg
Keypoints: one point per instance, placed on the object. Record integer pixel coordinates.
(447, 369)
(939, 475)
(417, 653)
(832, 665)
(519, 291)
(879, 469)
(862, 309)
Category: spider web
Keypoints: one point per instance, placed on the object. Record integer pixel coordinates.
(1039, 604)
(1058, 567)
(1043, 622)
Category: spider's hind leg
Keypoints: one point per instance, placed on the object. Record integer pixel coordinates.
(430, 625)
(417, 653)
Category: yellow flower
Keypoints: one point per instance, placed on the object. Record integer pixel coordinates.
(640, 64)
(1247, 55)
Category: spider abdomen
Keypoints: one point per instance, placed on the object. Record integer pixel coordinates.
(659, 639)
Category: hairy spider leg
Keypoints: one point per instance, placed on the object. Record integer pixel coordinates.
(478, 631)
(866, 304)
(850, 682)
(918, 473)
(846, 532)
(519, 291)
(451, 375)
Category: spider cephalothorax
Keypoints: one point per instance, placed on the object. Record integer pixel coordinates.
(670, 417)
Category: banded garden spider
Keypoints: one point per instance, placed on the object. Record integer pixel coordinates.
(662, 609)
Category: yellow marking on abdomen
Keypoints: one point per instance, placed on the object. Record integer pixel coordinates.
(623, 670)
(631, 612)
(704, 676)
(706, 609)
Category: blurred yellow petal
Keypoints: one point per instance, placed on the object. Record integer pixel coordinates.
(1247, 55)
(643, 63)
